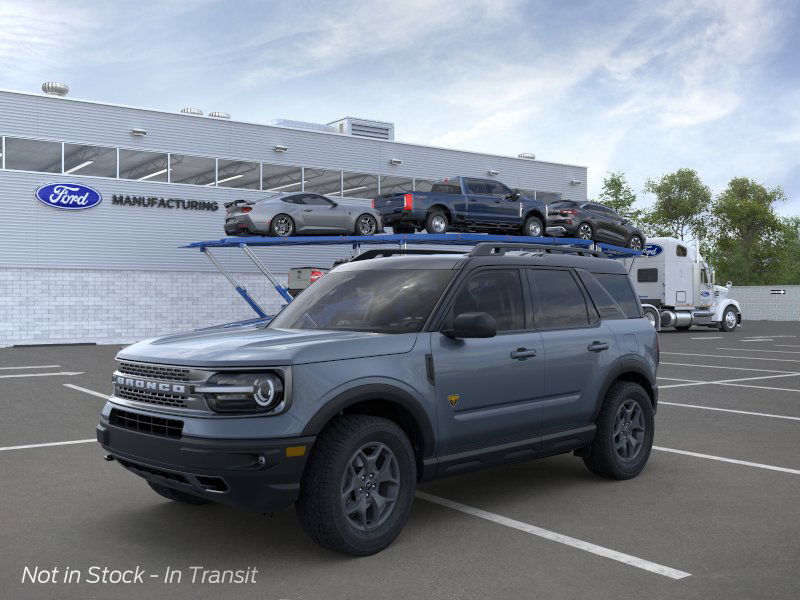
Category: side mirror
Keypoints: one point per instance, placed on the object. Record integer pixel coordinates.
(729, 285)
(334, 204)
(472, 325)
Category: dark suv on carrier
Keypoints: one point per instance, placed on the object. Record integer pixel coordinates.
(388, 372)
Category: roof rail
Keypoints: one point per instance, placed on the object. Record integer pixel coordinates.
(400, 252)
(490, 248)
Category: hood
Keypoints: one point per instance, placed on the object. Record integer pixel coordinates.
(256, 346)
(720, 291)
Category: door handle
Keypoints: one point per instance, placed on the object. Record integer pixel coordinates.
(598, 346)
(308, 210)
(522, 353)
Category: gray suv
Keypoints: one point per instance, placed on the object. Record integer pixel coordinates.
(387, 372)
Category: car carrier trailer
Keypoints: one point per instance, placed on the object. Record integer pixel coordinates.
(401, 241)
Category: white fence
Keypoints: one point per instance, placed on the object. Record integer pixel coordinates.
(768, 302)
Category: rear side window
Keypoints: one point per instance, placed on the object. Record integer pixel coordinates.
(681, 251)
(647, 275)
(605, 304)
(619, 288)
(558, 299)
(448, 187)
(476, 186)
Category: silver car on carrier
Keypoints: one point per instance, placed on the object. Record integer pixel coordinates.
(300, 213)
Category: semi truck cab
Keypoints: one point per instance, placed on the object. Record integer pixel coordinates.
(677, 288)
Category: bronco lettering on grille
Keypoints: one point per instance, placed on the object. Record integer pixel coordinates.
(155, 386)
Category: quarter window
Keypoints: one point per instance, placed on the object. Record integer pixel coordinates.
(618, 285)
(33, 155)
(496, 292)
(560, 301)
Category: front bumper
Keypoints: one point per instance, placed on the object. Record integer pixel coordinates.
(251, 474)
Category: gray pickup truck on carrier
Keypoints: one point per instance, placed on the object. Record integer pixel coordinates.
(387, 372)
(464, 204)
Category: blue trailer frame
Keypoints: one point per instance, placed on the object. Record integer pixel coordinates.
(445, 239)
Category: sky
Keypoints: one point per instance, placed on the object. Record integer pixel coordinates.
(639, 87)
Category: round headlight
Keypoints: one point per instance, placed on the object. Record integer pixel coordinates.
(266, 392)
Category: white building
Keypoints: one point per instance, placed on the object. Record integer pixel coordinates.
(114, 272)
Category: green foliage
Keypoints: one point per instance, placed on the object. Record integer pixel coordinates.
(681, 206)
(750, 244)
(617, 194)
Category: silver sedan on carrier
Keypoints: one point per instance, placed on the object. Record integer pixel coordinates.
(300, 213)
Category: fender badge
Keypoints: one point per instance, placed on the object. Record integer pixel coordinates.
(453, 399)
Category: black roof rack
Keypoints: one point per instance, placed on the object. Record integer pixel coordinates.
(400, 252)
(494, 248)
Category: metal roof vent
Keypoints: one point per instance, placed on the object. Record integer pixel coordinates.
(192, 111)
(377, 130)
(51, 88)
(219, 115)
(527, 155)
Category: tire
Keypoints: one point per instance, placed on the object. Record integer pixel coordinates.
(604, 458)
(407, 229)
(533, 227)
(366, 225)
(585, 231)
(635, 242)
(176, 495)
(335, 465)
(282, 225)
(729, 323)
(436, 222)
(653, 316)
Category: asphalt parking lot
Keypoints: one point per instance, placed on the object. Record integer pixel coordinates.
(714, 514)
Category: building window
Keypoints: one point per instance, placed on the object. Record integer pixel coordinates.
(144, 166)
(238, 174)
(280, 178)
(194, 170)
(33, 155)
(359, 185)
(321, 181)
(396, 185)
(97, 161)
(423, 185)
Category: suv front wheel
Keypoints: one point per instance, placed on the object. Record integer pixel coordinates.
(624, 434)
(358, 486)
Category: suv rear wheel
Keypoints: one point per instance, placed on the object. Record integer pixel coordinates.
(358, 487)
(624, 435)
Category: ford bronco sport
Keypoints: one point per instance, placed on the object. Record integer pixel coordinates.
(388, 372)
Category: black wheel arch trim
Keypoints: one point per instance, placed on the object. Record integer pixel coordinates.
(631, 364)
(381, 392)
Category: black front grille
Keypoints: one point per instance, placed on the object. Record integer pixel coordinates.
(145, 470)
(155, 371)
(171, 428)
(150, 397)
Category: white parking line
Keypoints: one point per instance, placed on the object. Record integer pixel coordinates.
(761, 387)
(31, 367)
(633, 561)
(84, 390)
(729, 410)
(46, 445)
(759, 340)
(787, 345)
(727, 381)
(759, 350)
(728, 460)
(723, 367)
(739, 357)
(40, 374)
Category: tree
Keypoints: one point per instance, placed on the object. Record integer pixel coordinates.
(750, 242)
(617, 194)
(681, 205)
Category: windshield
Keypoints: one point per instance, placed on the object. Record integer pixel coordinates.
(391, 301)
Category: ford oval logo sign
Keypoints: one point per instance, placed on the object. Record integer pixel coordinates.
(652, 250)
(68, 196)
